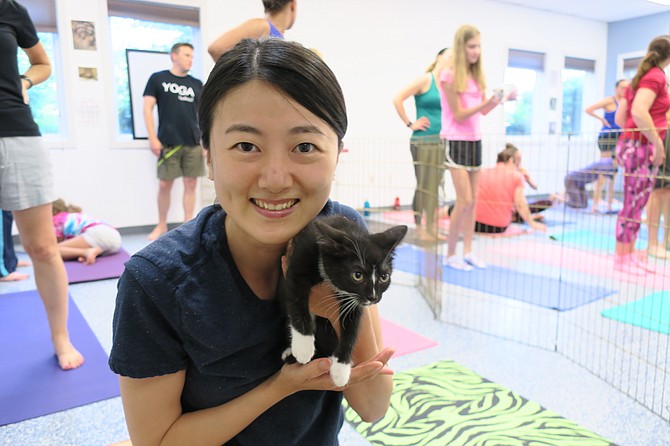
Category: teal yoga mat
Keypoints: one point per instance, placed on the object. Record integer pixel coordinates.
(651, 312)
(593, 240)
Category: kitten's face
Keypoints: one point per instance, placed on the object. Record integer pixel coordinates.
(360, 268)
(363, 278)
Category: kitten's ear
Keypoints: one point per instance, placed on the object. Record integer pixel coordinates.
(328, 237)
(390, 238)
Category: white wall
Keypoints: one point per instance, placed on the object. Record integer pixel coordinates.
(375, 47)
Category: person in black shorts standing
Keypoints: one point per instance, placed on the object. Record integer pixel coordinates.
(176, 144)
(463, 97)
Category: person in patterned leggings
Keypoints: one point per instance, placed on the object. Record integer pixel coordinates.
(641, 150)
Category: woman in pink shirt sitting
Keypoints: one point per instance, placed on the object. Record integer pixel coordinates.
(463, 100)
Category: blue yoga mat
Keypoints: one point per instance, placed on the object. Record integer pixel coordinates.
(594, 240)
(651, 312)
(538, 290)
(31, 382)
(105, 267)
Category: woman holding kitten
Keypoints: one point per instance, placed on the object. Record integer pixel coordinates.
(198, 332)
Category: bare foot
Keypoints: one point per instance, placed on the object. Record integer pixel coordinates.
(157, 232)
(14, 277)
(91, 255)
(23, 263)
(557, 198)
(428, 236)
(68, 356)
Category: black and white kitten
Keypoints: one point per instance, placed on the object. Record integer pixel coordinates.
(357, 265)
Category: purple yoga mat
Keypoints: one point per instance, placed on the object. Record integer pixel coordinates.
(105, 267)
(31, 382)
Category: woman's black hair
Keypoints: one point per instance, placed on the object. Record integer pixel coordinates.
(288, 66)
(272, 6)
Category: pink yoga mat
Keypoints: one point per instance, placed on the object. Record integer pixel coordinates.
(403, 340)
(600, 264)
(407, 216)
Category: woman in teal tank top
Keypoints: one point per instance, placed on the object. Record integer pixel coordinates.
(425, 145)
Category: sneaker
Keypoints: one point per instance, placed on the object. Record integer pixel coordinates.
(473, 261)
(455, 262)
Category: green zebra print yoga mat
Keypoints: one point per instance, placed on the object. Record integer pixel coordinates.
(447, 404)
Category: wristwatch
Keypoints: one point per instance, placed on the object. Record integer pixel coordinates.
(30, 82)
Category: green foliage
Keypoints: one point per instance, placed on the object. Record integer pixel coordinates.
(519, 113)
(43, 97)
(519, 121)
(573, 86)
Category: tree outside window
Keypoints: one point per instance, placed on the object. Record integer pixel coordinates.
(43, 97)
(573, 88)
(519, 113)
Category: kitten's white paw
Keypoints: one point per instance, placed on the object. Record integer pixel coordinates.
(339, 372)
(302, 346)
(286, 354)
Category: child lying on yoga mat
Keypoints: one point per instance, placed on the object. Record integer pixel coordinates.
(81, 236)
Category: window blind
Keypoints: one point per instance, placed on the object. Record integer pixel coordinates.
(155, 12)
(525, 59)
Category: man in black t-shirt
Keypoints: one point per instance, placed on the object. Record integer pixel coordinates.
(176, 144)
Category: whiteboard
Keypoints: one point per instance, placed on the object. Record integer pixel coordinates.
(141, 65)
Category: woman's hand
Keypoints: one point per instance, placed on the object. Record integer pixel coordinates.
(315, 374)
(323, 302)
(494, 100)
(422, 123)
(658, 156)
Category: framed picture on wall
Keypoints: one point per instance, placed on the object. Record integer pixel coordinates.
(83, 35)
(88, 73)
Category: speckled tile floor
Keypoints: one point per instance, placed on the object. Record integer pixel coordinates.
(538, 374)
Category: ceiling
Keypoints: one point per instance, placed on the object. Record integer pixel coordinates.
(601, 10)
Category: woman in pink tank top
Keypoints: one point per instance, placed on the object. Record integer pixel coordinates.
(463, 101)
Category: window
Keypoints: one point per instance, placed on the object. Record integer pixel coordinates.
(141, 26)
(630, 67)
(43, 97)
(44, 101)
(521, 72)
(518, 113)
(573, 87)
(573, 77)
